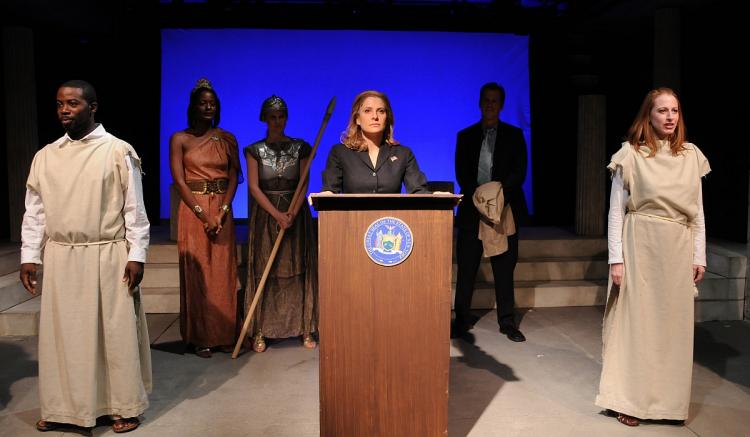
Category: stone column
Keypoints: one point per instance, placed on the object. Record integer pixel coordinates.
(747, 255)
(667, 46)
(22, 138)
(591, 172)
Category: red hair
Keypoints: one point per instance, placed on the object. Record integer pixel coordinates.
(641, 133)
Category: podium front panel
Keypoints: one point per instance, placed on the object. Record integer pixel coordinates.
(384, 331)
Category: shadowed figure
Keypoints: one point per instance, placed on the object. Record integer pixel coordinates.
(468, 372)
(17, 365)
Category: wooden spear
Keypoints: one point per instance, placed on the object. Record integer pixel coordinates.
(295, 200)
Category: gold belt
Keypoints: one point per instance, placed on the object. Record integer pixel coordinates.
(208, 186)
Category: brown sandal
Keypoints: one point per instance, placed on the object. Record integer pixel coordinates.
(122, 425)
(627, 420)
(259, 345)
(309, 342)
(203, 352)
(44, 426)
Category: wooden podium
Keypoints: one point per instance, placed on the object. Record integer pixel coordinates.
(384, 330)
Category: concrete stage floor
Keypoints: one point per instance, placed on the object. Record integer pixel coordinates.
(543, 387)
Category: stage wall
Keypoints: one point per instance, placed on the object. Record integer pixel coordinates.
(431, 78)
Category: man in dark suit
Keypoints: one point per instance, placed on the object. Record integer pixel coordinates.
(488, 151)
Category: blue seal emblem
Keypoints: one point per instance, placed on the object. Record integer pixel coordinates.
(388, 241)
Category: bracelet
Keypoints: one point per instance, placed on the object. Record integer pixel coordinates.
(197, 210)
(226, 208)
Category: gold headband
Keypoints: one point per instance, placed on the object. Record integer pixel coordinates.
(203, 83)
(273, 103)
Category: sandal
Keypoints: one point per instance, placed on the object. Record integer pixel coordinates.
(309, 342)
(121, 425)
(627, 420)
(203, 352)
(259, 345)
(44, 426)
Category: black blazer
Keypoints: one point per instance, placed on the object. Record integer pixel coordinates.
(508, 167)
(349, 171)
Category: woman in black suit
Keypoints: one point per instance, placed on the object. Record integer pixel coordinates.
(370, 160)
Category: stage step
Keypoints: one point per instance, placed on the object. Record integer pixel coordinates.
(161, 299)
(161, 275)
(727, 259)
(22, 319)
(555, 269)
(535, 294)
(162, 254)
(549, 269)
(562, 248)
(722, 292)
(12, 292)
(166, 253)
(10, 257)
(720, 298)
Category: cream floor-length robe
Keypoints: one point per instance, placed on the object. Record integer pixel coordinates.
(94, 356)
(648, 322)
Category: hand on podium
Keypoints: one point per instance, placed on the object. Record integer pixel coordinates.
(309, 197)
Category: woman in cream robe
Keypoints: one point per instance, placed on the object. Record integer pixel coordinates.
(656, 256)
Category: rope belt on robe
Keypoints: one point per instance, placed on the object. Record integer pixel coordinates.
(136, 292)
(679, 222)
(88, 243)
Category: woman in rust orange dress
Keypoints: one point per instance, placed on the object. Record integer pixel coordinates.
(205, 168)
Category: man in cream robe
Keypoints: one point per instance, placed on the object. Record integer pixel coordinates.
(84, 206)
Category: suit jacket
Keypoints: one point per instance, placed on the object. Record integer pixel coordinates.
(349, 171)
(508, 167)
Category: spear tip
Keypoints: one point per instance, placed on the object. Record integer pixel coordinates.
(331, 105)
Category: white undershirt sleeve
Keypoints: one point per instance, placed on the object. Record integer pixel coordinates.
(32, 228)
(618, 199)
(134, 212)
(699, 232)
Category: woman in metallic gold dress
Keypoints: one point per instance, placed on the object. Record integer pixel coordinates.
(288, 306)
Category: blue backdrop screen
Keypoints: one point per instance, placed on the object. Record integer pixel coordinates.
(431, 78)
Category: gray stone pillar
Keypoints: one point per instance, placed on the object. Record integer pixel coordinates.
(22, 138)
(591, 172)
(747, 255)
(667, 46)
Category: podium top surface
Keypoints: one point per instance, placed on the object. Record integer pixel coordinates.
(334, 202)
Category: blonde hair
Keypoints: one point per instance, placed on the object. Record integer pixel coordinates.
(352, 136)
(641, 133)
